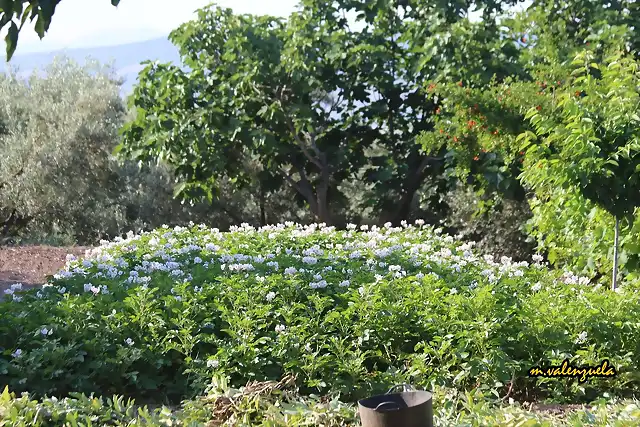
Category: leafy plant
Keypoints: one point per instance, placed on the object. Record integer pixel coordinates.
(589, 138)
(348, 313)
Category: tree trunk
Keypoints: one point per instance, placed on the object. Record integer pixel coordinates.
(411, 186)
(318, 198)
(614, 279)
(323, 214)
(13, 224)
(223, 208)
(263, 214)
(322, 193)
(404, 207)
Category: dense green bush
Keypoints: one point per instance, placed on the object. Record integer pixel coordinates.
(348, 312)
(495, 223)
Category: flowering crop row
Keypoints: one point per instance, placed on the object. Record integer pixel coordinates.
(346, 311)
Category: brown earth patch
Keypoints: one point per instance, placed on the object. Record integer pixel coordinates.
(30, 265)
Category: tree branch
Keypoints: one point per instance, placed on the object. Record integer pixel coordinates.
(426, 162)
(289, 179)
(337, 101)
(303, 146)
(303, 186)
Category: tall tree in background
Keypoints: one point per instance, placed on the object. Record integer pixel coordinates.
(314, 99)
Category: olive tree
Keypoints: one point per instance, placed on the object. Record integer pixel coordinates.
(58, 127)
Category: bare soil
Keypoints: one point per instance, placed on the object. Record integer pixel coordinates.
(30, 265)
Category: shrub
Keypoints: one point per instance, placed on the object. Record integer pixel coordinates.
(269, 404)
(495, 223)
(347, 312)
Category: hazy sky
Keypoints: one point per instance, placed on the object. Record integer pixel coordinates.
(85, 23)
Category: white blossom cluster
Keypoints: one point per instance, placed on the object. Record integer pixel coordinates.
(179, 254)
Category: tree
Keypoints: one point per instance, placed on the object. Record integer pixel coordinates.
(479, 126)
(240, 101)
(56, 135)
(313, 100)
(14, 14)
(589, 138)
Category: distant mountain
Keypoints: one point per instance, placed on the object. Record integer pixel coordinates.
(125, 57)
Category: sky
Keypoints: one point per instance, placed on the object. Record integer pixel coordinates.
(92, 23)
(88, 23)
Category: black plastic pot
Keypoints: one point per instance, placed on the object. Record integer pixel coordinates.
(411, 408)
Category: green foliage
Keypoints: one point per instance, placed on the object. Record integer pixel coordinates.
(276, 404)
(56, 134)
(589, 137)
(314, 101)
(485, 129)
(588, 142)
(576, 233)
(495, 223)
(552, 30)
(348, 313)
(60, 183)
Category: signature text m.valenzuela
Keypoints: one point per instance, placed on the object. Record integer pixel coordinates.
(583, 373)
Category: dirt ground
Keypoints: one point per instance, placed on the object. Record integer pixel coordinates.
(30, 265)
